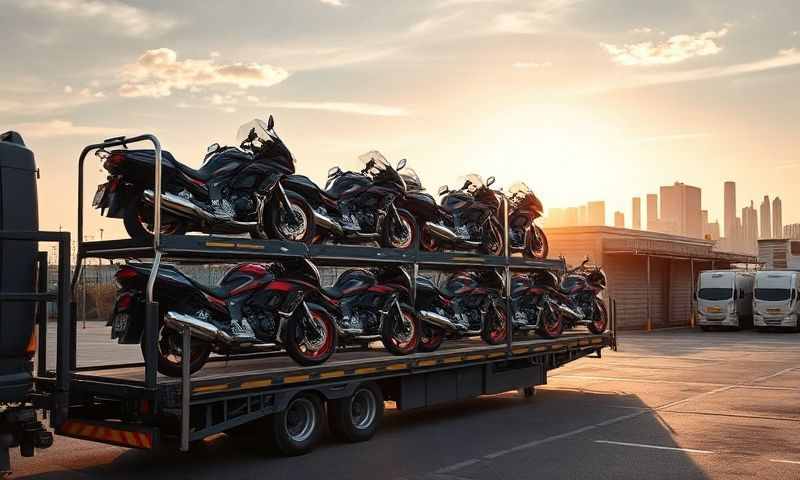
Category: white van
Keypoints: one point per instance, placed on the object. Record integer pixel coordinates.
(724, 299)
(775, 299)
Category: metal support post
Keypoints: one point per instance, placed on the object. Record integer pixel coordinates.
(649, 306)
(64, 347)
(151, 324)
(41, 316)
(186, 387)
(507, 277)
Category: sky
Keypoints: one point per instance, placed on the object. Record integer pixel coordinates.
(581, 99)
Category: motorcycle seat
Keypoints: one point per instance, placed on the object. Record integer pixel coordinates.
(332, 292)
(204, 174)
(218, 292)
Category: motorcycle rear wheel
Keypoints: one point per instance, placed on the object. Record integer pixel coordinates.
(137, 216)
(401, 339)
(169, 346)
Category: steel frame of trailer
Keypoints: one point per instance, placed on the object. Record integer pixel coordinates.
(216, 249)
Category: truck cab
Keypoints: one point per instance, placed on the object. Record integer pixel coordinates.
(775, 299)
(724, 299)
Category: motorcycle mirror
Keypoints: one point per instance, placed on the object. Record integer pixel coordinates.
(270, 123)
(443, 189)
(212, 148)
(489, 181)
(401, 164)
(332, 172)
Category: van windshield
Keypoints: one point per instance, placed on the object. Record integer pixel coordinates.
(772, 294)
(715, 293)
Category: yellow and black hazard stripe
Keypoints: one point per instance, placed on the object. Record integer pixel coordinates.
(107, 433)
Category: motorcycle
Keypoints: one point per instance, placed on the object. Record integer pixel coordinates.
(467, 219)
(469, 304)
(254, 307)
(357, 207)
(236, 190)
(524, 236)
(371, 305)
(531, 308)
(577, 299)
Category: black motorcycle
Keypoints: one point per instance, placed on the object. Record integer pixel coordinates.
(254, 307)
(524, 236)
(469, 304)
(531, 308)
(358, 207)
(236, 190)
(371, 305)
(467, 219)
(577, 298)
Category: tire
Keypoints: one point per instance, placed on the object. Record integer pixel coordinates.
(135, 220)
(389, 235)
(495, 329)
(405, 341)
(278, 228)
(492, 243)
(169, 364)
(550, 328)
(298, 428)
(357, 417)
(315, 351)
(544, 246)
(600, 324)
(431, 337)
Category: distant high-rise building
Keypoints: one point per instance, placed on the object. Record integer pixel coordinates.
(730, 211)
(582, 217)
(766, 218)
(680, 208)
(749, 234)
(777, 218)
(652, 212)
(555, 217)
(710, 230)
(792, 231)
(619, 219)
(636, 214)
(571, 216)
(596, 213)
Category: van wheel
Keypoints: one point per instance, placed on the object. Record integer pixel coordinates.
(298, 428)
(357, 417)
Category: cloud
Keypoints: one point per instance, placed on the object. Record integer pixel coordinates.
(642, 30)
(120, 17)
(668, 138)
(64, 128)
(157, 72)
(342, 107)
(433, 23)
(531, 64)
(673, 50)
(542, 15)
(333, 3)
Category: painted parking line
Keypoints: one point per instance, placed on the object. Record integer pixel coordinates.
(793, 462)
(654, 447)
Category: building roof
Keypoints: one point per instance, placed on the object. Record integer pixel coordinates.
(641, 242)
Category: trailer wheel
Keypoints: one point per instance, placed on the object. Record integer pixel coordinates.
(298, 428)
(357, 417)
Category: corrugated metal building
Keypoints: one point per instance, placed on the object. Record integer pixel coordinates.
(650, 275)
(779, 253)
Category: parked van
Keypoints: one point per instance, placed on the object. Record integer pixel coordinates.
(775, 299)
(725, 298)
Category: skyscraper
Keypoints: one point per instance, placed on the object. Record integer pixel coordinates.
(766, 218)
(749, 228)
(596, 213)
(652, 212)
(680, 208)
(777, 218)
(637, 213)
(730, 212)
(619, 219)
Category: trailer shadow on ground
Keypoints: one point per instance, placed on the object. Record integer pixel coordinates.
(555, 434)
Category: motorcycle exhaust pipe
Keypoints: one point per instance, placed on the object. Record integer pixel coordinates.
(198, 328)
(183, 207)
(568, 312)
(326, 222)
(438, 320)
(447, 234)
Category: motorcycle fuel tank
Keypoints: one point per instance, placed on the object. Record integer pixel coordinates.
(354, 280)
(573, 283)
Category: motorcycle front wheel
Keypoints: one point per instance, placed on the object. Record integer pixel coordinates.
(493, 241)
(431, 337)
(400, 335)
(310, 341)
(495, 325)
(599, 322)
(401, 235)
(540, 248)
(550, 325)
(301, 228)
(138, 221)
(169, 348)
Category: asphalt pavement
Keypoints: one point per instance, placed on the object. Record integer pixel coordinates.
(674, 404)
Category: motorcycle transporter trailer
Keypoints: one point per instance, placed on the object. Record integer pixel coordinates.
(131, 405)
